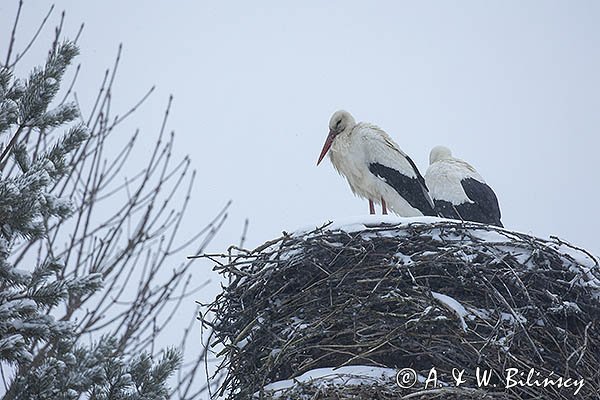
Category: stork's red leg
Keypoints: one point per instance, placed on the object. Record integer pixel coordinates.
(371, 207)
(383, 207)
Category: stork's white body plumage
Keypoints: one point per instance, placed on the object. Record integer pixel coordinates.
(458, 191)
(376, 168)
(443, 180)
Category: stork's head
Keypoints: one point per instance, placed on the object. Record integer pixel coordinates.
(439, 153)
(341, 122)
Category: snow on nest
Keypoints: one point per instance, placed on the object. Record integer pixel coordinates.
(375, 225)
(453, 305)
(343, 376)
(361, 222)
(462, 312)
(489, 234)
(283, 274)
(503, 239)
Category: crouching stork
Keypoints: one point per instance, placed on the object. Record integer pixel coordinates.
(458, 191)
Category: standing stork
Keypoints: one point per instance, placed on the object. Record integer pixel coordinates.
(458, 191)
(375, 167)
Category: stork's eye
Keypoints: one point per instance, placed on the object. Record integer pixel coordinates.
(338, 125)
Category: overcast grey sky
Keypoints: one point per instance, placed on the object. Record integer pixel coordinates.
(512, 87)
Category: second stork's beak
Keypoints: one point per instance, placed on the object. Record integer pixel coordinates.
(326, 146)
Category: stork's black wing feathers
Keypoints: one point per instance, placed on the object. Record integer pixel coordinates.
(485, 208)
(448, 210)
(419, 176)
(413, 190)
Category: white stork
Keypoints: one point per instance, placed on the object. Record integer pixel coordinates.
(458, 191)
(375, 167)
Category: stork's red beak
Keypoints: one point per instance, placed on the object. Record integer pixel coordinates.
(326, 146)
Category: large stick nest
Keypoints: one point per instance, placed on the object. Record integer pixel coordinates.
(383, 296)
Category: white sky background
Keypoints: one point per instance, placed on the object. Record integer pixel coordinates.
(512, 87)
